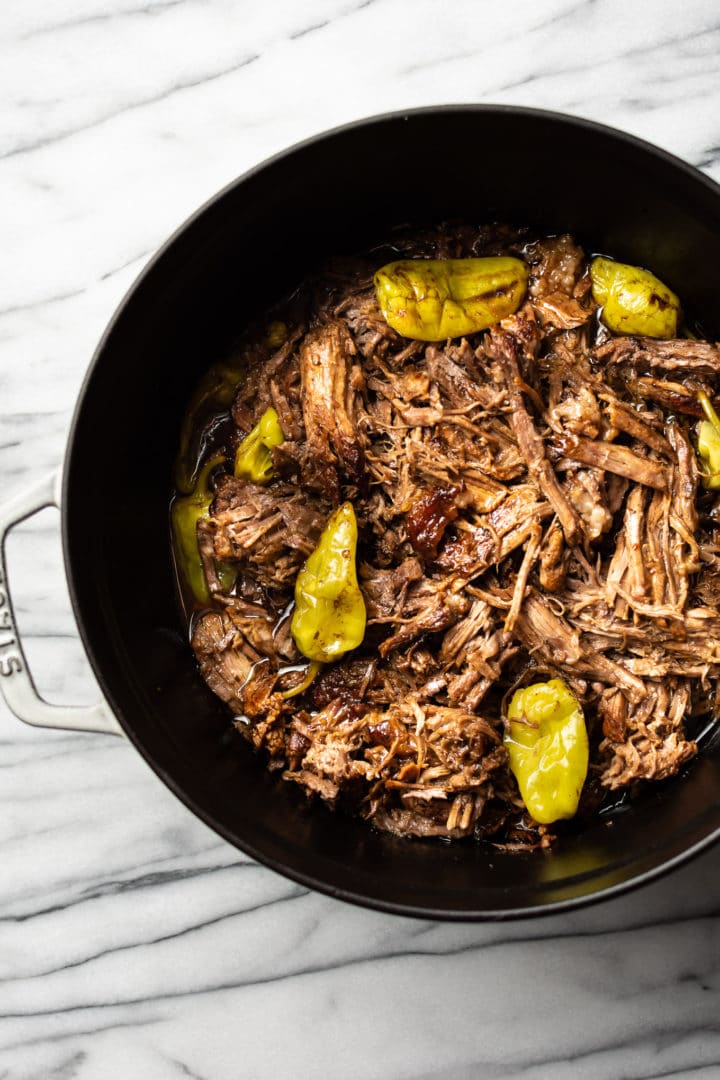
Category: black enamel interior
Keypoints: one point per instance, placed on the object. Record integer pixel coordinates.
(334, 194)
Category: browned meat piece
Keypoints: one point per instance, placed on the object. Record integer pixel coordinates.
(652, 560)
(578, 413)
(613, 458)
(648, 354)
(403, 393)
(460, 756)
(683, 516)
(481, 456)
(315, 784)
(498, 534)
(648, 571)
(552, 638)
(522, 504)
(653, 746)
(553, 560)
(429, 516)
(706, 590)
(224, 669)
(408, 386)
(478, 621)
(625, 418)
(548, 634)
(562, 311)
(585, 490)
(633, 537)
(418, 822)
(474, 550)
(272, 530)
(431, 605)
(286, 401)
(424, 817)
(363, 316)
(457, 386)
(613, 711)
(470, 552)
(656, 550)
(503, 347)
(529, 558)
(526, 338)
(332, 736)
(228, 645)
(345, 682)
(473, 653)
(206, 548)
(648, 756)
(675, 396)
(328, 400)
(255, 393)
(385, 590)
(556, 266)
(685, 480)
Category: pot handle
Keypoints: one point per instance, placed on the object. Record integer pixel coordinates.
(16, 682)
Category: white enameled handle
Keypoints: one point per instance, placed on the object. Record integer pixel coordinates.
(16, 683)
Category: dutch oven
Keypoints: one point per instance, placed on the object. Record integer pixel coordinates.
(338, 193)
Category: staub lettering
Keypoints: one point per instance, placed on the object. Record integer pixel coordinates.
(10, 664)
(10, 659)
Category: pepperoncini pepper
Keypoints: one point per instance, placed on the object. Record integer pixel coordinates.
(708, 443)
(435, 299)
(253, 460)
(185, 514)
(329, 617)
(547, 745)
(633, 300)
(227, 575)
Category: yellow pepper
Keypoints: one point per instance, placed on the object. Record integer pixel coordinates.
(633, 300)
(708, 443)
(435, 299)
(329, 617)
(547, 747)
(185, 514)
(253, 460)
(226, 574)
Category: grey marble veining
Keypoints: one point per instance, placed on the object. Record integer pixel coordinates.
(133, 941)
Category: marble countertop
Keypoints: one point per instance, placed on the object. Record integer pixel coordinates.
(133, 941)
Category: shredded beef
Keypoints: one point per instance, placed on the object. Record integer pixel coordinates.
(385, 590)
(333, 444)
(612, 458)
(648, 355)
(270, 531)
(529, 506)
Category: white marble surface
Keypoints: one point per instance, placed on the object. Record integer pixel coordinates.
(133, 942)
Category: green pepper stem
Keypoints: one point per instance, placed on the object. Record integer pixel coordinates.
(707, 408)
(312, 670)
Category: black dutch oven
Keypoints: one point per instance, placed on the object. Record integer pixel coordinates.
(332, 194)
